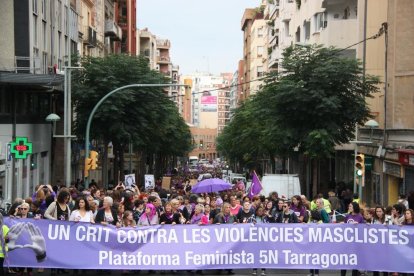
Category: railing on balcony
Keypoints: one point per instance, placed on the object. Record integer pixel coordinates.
(163, 43)
(89, 37)
(163, 59)
(275, 8)
(145, 53)
(113, 30)
(22, 64)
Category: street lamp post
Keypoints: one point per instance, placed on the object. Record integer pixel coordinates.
(88, 125)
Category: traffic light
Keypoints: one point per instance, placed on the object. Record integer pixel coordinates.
(94, 157)
(360, 167)
(188, 83)
(88, 164)
(201, 143)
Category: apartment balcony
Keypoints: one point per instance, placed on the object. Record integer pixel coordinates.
(163, 60)
(275, 9)
(274, 57)
(145, 53)
(145, 34)
(113, 30)
(163, 44)
(338, 33)
(30, 65)
(89, 36)
(175, 68)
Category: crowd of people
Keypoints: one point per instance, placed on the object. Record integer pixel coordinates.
(132, 207)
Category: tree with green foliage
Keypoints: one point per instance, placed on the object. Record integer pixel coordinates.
(145, 116)
(319, 98)
(313, 104)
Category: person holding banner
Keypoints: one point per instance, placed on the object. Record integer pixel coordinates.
(107, 215)
(82, 212)
(225, 217)
(170, 216)
(409, 217)
(198, 217)
(298, 208)
(59, 209)
(287, 216)
(246, 214)
(353, 217)
(149, 217)
(379, 215)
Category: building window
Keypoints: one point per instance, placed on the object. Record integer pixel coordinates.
(259, 51)
(44, 9)
(44, 36)
(260, 32)
(287, 28)
(35, 30)
(306, 30)
(320, 21)
(260, 72)
(34, 6)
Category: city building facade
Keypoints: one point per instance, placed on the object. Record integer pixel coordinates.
(37, 39)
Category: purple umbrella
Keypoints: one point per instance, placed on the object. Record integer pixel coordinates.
(211, 185)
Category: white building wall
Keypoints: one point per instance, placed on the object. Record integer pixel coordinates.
(258, 49)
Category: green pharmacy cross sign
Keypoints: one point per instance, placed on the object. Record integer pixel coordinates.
(20, 148)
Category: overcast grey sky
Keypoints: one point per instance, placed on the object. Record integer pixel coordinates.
(204, 34)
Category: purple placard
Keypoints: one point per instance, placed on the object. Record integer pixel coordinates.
(243, 246)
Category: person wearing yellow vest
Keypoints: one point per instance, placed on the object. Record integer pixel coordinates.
(3, 246)
(326, 203)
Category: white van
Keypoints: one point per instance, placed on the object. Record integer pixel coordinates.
(286, 185)
(193, 160)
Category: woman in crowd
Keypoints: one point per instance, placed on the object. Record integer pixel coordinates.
(120, 211)
(379, 215)
(138, 209)
(107, 215)
(278, 209)
(246, 214)
(409, 217)
(397, 214)
(298, 208)
(287, 216)
(234, 206)
(268, 207)
(198, 216)
(319, 216)
(226, 217)
(23, 211)
(170, 217)
(128, 219)
(42, 192)
(353, 217)
(82, 211)
(368, 217)
(149, 217)
(59, 209)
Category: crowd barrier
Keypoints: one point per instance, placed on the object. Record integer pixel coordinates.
(70, 245)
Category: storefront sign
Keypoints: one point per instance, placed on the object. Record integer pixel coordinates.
(21, 147)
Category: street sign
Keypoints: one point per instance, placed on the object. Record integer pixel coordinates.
(21, 147)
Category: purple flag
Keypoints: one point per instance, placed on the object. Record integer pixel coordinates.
(256, 186)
